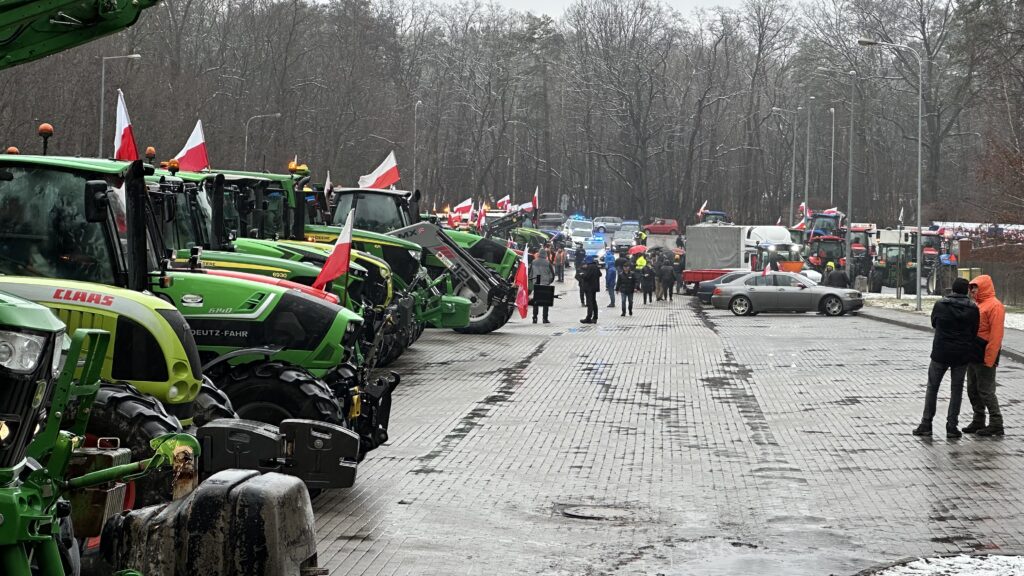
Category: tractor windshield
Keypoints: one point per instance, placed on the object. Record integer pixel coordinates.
(859, 238)
(374, 212)
(43, 229)
(827, 225)
(896, 252)
(829, 250)
(928, 241)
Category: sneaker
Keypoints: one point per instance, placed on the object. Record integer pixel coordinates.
(991, 431)
(973, 427)
(922, 430)
(953, 433)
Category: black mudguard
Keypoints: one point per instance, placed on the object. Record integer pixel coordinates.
(236, 523)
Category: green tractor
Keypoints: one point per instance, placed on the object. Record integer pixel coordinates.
(479, 269)
(278, 354)
(33, 29)
(894, 267)
(189, 204)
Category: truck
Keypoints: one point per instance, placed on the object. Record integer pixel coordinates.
(713, 250)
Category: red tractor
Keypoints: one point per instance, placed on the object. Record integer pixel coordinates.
(824, 249)
(862, 249)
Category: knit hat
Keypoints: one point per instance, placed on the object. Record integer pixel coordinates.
(960, 286)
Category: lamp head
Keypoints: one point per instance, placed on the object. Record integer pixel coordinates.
(867, 42)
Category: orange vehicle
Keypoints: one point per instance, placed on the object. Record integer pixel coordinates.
(787, 257)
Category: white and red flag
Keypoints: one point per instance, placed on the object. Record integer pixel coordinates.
(536, 199)
(801, 208)
(481, 219)
(338, 261)
(124, 138)
(464, 207)
(192, 157)
(328, 185)
(701, 211)
(383, 176)
(505, 203)
(523, 285)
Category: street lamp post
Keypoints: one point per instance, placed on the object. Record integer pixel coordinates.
(849, 167)
(415, 127)
(792, 168)
(245, 152)
(103, 89)
(807, 160)
(832, 157)
(920, 121)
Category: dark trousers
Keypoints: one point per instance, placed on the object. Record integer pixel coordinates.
(936, 372)
(611, 296)
(560, 273)
(583, 297)
(592, 306)
(626, 298)
(669, 288)
(545, 312)
(648, 296)
(981, 391)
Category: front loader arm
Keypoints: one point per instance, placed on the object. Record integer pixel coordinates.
(33, 29)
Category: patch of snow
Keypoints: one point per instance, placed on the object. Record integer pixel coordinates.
(1014, 320)
(962, 565)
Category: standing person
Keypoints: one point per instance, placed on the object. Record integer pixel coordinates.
(621, 261)
(667, 276)
(677, 272)
(955, 319)
(541, 274)
(591, 283)
(609, 276)
(838, 279)
(647, 282)
(981, 374)
(626, 286)
(560, 263)
(579, 257)
(679, 241)
(642, 237)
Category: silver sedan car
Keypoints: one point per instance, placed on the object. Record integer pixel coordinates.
(783, 292)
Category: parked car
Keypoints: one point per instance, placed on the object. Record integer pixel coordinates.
(783, 292)
(704, 289)
(623, 239)
(607, 224)
(662, 226)
(553, 220)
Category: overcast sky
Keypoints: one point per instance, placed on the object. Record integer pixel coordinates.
(555, 8)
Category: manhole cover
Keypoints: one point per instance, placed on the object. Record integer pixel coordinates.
(594, 512)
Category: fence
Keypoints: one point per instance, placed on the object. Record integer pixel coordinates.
(1005, 264)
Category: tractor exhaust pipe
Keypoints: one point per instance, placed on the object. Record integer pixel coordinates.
(220, 239)
(136, 198)
(299, 220)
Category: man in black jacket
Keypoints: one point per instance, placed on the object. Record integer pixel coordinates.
(955, 319)
(837, 279)
(590, 283)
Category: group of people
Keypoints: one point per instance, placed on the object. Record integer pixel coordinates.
(968, 339)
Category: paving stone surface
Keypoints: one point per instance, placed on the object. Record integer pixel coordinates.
(675, 441)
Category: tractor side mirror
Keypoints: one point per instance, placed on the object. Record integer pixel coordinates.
(96, 201)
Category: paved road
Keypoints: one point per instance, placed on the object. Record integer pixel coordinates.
(678, 441)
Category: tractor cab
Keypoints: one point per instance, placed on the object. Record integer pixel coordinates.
(824, 249)
(894, 267)
(826, 224)
(931, 249)
(715, 217)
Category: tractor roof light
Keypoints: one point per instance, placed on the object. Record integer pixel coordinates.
(45, 130)
(13, 150)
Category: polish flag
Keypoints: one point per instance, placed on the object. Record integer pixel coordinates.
(536, 198)
(192, 157)
(453, 220)
(702, 207)
(464, 207)
(337, 262)
(328, 185)
(124, 138)
(505, 203)
(801, 208)
(385, 175)
(779, 221)
(481, 219)
(523, 285)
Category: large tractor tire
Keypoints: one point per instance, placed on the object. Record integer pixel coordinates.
(274, 391)
(495, 317)
(121, 411)
(211, 404)
(875, 283)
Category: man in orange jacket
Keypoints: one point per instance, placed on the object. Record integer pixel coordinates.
(981, 373)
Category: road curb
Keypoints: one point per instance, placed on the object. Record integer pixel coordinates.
(1009, 353)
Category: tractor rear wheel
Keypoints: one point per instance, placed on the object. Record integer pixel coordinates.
(875, 283)
(495, 317)
(121, 411)
(274, 391)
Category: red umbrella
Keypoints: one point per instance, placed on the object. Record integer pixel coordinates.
(637, 250)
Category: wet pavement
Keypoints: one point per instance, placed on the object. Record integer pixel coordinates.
(678, 441)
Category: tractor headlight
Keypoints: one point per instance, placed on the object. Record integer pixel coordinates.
(60, 356)
(20, 352)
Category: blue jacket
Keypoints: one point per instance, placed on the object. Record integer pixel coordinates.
(609, 270)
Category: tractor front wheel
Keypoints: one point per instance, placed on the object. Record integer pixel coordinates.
(274, 391)
(211, 404)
